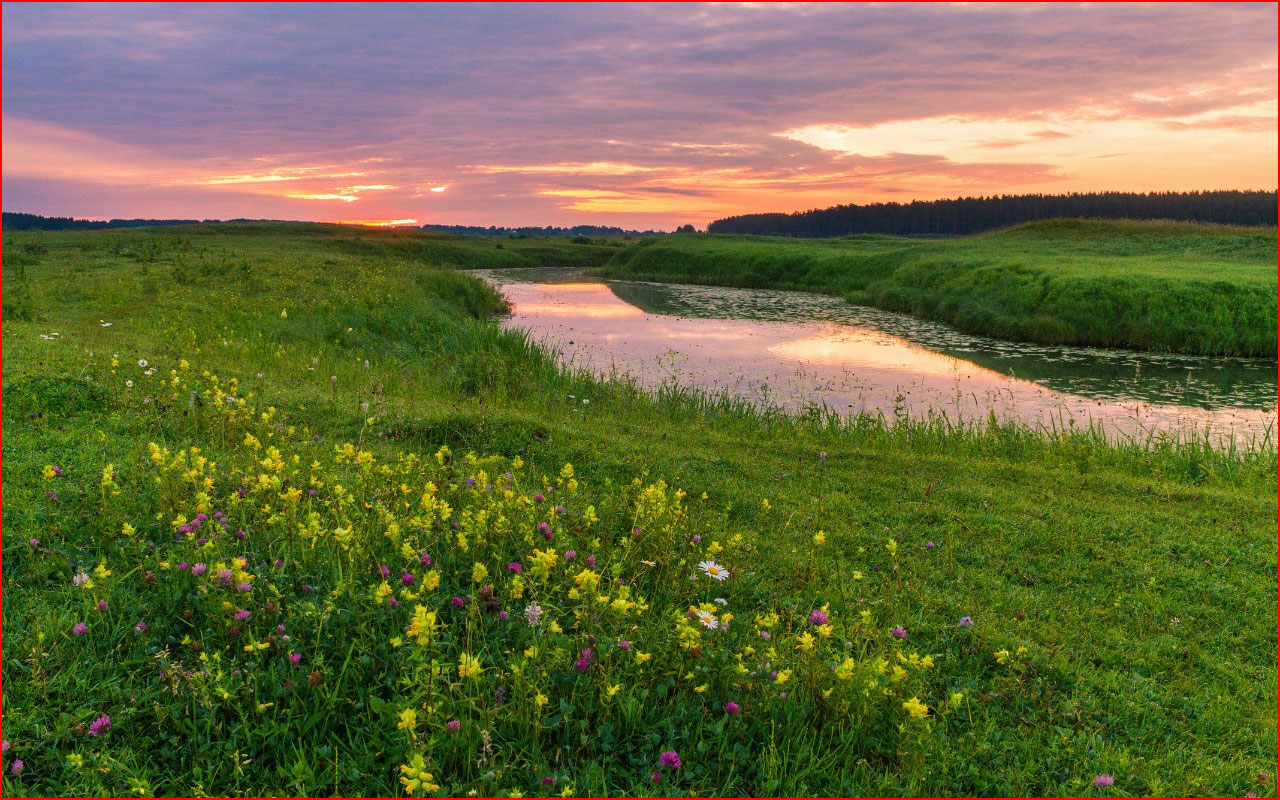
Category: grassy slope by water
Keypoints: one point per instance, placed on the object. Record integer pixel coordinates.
(1142, 585)
(1177, 287)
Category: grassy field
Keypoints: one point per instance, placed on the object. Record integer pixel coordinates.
(286, 512)
(1177, 287)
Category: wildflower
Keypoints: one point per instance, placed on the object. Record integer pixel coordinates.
(425, 560)
(804, 642)
(583, 663)
(1103, 781)
(457, 602)
(515, 567)
(140, 628)
(17, 766)
(407, 579)
(538, 498)
(198, 569)
(5, 747)
(102, 605)
(469, 666)
(384, 571)
(929, 545)
(295, 658)
(415, 776)
(240, 616)
(713, 570)
(533, 613)
(479, 572)
(708, 620)
(899, 632)
(453, 726)
(79, 629)
(916, 708)
(623, 644)
(34, 543)
(966, 622)
(142, 362)
(80, 579)
(570, 555)
(670, 759)
(731, 707)
(656, 777)
(818, 617)
(408, 721)
(1002, 656)
(99, 726)
(720, 601)
(820, 538)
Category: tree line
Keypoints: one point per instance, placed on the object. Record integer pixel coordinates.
(17, 221)
(965, 215)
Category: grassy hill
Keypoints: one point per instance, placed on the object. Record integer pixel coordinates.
(286, 512)
(1178, 287)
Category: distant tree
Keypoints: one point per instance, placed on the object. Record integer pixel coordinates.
(964, 215)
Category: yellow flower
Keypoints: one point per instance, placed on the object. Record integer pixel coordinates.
(128, 530)
(479, 572)
(541, 700)
(1002, 656)
(804, 642)
(892, 547)
(409, 722)
(915, 708)
(820, 538)
(101, 571)
(642, 657)
(423, 624)
(469, 666)
(614, 689)
(700, 689)
(415, 777)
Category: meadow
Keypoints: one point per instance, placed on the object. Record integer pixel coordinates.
(1165, 286)
(287, 512)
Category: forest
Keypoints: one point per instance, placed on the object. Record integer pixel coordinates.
(965, 215)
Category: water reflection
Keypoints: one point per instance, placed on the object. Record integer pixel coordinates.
(796, 349)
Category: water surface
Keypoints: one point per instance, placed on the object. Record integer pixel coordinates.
(796, 350)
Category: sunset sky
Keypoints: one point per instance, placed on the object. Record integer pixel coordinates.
(640, 116)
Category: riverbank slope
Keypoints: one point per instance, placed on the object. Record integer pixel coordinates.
(1175, 287)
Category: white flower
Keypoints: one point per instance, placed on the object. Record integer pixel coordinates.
(533, 613)
(708, 620)
(585, 401)
(105, 324)
(713, 570)
(80, 578)
(722, 601)
(649, 563)
(142, 362)
(129, 383)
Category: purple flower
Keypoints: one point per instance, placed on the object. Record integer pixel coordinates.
(656, 777)
(538, 498)
(502, 615)
(966, 622)
(899, 632)
(697, 538)
(392, 601)
(201, 542)
(515, 567)
(929, 545)
(561, 511)
(471, 482)
(57, 472)
(99, 726)
(307, 588)
(280, 630)
(183, 566)
(544, 528)
(583, 663)
(243, 588)
(140, 628)
(731, 707)
(102, 605)
(765, 635)
(240, 616)
(295, 658)
(1103, 781)
(34, 542)
(623, 644)
(17, 767)
(407, 579)
(240, 534)
(548, 781)
(456, 602)
(384, 571)
(818, 617)
(5, 747)
(79, 629)
(570, 555)
(669, 759)
(591, 562)
(225, 577)
(453, 726)
(199, 569)
(279, 562)
(425, 560)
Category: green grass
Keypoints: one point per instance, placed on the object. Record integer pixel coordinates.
(1177, 287)
(1124, 595)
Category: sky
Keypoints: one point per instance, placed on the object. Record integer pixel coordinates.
(641, 116)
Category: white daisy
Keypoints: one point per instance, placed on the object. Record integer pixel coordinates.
(713, 570)
(649, 563)
(142, 362)
(708, 620)
(721, 601)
